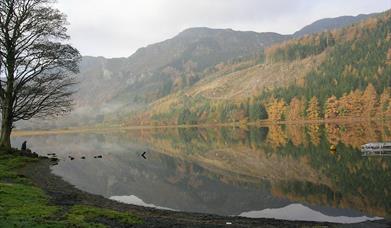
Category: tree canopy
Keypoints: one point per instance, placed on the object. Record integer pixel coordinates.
(36, 65)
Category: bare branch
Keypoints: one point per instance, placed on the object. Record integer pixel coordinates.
(36, 68)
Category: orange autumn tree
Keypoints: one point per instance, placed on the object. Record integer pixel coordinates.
(357, 104)
(296, 109)
(275, 109)
(351, 105)
(313, 110)
(331, 108)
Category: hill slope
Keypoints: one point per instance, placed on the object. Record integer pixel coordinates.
(161, 68)
(338, 74)
(110, 89)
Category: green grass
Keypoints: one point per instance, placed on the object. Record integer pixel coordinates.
(8, 166)
(79, 214)
(23, 205)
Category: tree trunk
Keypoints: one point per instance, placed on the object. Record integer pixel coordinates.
(6, 129)
(7, 104)
(5, 138)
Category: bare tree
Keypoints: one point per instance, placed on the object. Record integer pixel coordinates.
(36, 66)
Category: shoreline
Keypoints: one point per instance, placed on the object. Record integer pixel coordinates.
(266, 123)
(63, 194)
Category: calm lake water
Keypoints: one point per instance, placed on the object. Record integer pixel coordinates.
(281, 171)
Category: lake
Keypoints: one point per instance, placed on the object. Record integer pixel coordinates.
(279, 171)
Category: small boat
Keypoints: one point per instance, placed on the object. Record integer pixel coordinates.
(376, 148)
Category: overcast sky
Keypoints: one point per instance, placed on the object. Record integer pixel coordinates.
(117, 28)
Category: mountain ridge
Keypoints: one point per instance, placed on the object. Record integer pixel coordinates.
(111, 88)
(331, 23)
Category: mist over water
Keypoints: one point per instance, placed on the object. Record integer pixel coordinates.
(280, 171)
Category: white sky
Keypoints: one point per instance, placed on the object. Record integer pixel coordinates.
(117, 28)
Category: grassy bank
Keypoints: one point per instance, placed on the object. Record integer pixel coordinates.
(24, 205)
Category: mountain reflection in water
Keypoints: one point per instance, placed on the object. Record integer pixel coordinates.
(233, 171)
(299, 212)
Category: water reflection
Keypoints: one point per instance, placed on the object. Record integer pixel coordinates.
(303, 213)
(233, 171)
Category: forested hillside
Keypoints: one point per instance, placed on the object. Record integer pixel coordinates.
(354, 80)
(330, 75)
(205, 75)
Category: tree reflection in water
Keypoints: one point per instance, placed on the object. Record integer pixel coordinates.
(231, 170)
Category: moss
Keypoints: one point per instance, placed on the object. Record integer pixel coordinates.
(23, 205)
